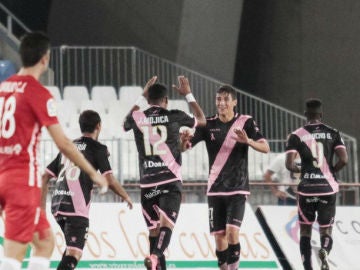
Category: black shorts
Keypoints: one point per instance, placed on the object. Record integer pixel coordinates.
(164, 199)
(323, 206)
(75, 230)
(225, 210)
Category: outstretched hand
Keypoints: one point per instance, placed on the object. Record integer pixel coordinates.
(185, 137)
(184, 86)
(241, 136)
(147, 86)
(129, 202)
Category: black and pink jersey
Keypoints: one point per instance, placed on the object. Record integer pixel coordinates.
(316, 144)
(228, 159)
(73, 187)
(156, 132)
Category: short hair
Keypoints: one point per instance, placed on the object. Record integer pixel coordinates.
(33, 47)
(88, 120)
(157, 92)
(227, 89)
(313, 105)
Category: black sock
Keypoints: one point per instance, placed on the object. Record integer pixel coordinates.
(221, 256)
(162, 241)
(326, 242)
(305, 250)
(233, 254)
(67, 263)
(152, 241)
(162, 262)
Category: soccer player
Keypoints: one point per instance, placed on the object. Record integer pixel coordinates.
(26, 106)
(227, 136)
(71, 197)
(316, 144)
(156, 132)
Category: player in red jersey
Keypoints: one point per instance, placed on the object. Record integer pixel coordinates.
(26, 106)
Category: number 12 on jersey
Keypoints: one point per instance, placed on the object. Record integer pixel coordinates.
(157, 135)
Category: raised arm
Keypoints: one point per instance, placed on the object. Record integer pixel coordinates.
(142, 100)
(184, 90)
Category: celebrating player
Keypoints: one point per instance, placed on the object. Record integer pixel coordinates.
(156, 133)
(228, 136)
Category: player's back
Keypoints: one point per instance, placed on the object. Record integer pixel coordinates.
(156, 133)
(316, 144)
(74, 185)
(26, 106)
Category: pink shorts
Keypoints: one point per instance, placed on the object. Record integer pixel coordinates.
(23, 216)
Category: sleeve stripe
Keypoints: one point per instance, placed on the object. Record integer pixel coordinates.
(107, 172)
(50, 172)
(195, 122)
(290, 151)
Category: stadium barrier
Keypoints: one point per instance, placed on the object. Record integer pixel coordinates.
(130, 66)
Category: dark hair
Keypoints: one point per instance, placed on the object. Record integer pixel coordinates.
(227, 89)
(313, 108)
(88, 121)
(33, 47)
(157, 92)
(313, 105)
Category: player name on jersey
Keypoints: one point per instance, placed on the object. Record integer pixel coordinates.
(154, 119)
(316, 136)
(13, 87)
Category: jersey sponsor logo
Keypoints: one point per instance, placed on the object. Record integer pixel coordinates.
(154, 120)
(153, 193)
(313, 176)
(315, 136)
(11, 87)
(51, 107)
(63, 192)
(153, 164)
(11, 149)
(315, 200)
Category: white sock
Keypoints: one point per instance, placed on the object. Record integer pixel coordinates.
(10, 264)
(38, 263)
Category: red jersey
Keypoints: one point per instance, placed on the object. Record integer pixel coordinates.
(25, 106)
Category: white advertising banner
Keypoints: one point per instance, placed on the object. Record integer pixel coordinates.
(118, 239)
(283, 222)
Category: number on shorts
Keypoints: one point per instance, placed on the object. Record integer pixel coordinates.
(155, 147)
